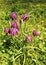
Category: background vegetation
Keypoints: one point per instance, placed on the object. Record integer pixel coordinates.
(23, 53)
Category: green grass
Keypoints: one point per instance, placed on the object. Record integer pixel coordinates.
(20, 52)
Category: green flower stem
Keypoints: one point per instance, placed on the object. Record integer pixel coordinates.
(25, 26)
(22, 27)
(9, 23)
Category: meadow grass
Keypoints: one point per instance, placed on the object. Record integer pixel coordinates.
(17, 51)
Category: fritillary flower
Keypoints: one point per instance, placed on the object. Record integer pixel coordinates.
(24, 17)
(6, 30)
(29, 38)
(36, 33)
(13, 32)
(14, 15)
(14, 25)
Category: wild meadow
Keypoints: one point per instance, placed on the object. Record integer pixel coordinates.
(22, 32)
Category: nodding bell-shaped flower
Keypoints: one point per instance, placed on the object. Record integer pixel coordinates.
(36, 33)
(14, 25)
(13, 32)
(14, 15)
(29, 38)
(24, 17)
(6, 30)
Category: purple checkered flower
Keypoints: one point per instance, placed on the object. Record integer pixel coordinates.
(13, 32)
(29, 38)
(24, 17)
(14, 15)
(6, 30)
(14, 25)
(36, 33)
